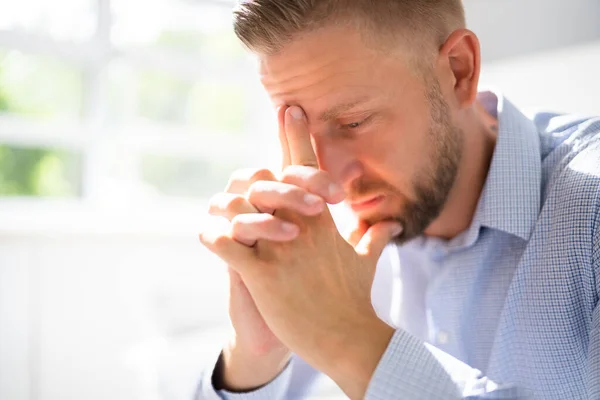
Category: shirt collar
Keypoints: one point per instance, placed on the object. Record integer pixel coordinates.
(510, 200)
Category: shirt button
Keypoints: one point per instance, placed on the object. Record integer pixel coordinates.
(443, 337)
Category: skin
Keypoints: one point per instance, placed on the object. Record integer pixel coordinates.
(390, 143)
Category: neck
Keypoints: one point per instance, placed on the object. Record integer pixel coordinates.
(480, 135)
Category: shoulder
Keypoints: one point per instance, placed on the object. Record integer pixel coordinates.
(571, 159)
(571, 194)
(571, 176)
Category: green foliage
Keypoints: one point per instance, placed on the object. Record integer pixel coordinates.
(32, 171)
(44, 89)
(35, 172)
(40, 88)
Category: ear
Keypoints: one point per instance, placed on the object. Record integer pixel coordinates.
(460, 58)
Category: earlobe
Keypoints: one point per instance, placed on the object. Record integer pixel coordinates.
(464, 57)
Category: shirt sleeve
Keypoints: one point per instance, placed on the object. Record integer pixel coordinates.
(274, 390)
(411, 369)
(594, 347)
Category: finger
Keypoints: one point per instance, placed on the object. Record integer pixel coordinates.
(357, 232)
(267, 195)
(285, 150)
(314, 181)
(248, 228)
(229, 205)
(218, 239)
(240, 180)
(376, 238)
(298, 138)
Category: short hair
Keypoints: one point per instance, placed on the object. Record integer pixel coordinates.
(266, 26)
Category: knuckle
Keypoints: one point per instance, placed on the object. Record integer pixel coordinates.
(212, 243)
(283, 192)
(235, 205)
(213, 203)
(217, 204)
(254, 191)
(289, 174)
(240, 224)
(262, 175)
(264, 189)
(295, 173)
(241, 179)
(308, 178)
(220, 242)
(236, 223)
(294, 193)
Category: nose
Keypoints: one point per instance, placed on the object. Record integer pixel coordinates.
(338, 160)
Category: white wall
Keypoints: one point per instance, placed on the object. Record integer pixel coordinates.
(509, 28)
(564, 80)
(86, 314)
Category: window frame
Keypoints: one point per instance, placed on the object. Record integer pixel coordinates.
(90, 136)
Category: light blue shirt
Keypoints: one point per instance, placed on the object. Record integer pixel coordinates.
(509, 308)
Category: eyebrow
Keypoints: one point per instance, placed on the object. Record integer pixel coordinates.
(335, 111)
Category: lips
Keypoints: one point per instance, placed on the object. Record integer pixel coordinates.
(365, 204)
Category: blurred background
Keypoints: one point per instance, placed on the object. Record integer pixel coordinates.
(118, 120)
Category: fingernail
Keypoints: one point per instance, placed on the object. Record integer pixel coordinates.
(335, 190)
(397, 230)
(296, 112)
(288, 227)
(311, 199)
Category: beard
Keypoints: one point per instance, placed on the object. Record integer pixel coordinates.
(432, 186)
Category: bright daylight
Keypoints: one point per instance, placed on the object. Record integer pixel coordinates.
(121, 119)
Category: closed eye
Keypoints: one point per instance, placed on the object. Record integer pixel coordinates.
(358, 124)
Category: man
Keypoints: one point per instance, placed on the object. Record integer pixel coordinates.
(494, 218)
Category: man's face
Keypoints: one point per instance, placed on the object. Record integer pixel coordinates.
(385, 134)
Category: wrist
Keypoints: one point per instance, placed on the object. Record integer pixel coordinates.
(357, 356)
(239, 370)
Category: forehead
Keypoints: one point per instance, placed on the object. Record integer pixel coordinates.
(324, 65)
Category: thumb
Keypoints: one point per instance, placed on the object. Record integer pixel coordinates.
(377, 237)
(356, 233)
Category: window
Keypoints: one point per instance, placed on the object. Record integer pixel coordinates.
(125, 99)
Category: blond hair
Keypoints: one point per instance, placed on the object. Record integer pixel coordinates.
(265, 26)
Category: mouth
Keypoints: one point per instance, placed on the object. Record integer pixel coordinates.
(366, 204)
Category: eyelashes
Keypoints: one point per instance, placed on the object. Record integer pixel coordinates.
(357, 124)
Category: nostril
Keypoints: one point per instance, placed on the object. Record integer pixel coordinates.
(351, 173)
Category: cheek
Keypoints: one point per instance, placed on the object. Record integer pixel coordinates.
(393, 156)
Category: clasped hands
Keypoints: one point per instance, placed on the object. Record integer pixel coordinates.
(311, 286)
